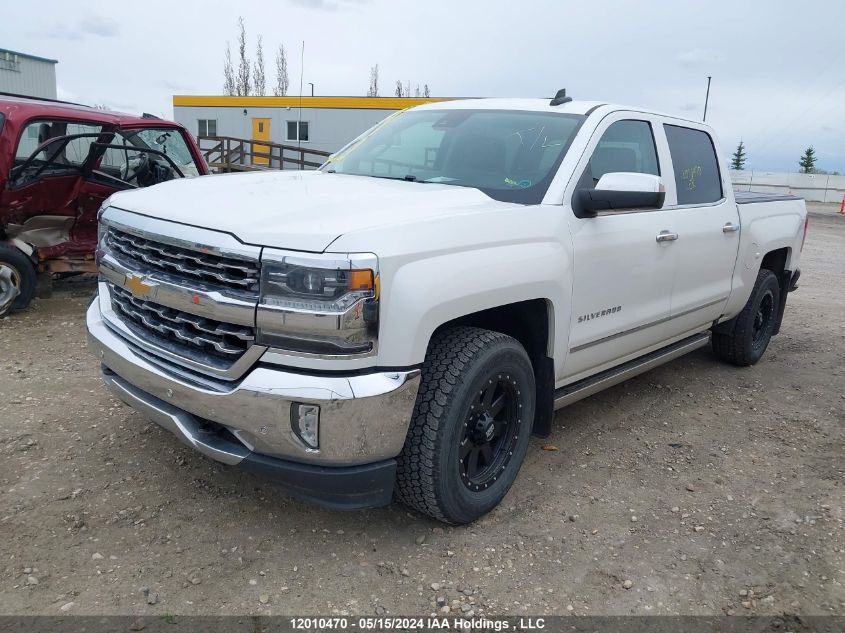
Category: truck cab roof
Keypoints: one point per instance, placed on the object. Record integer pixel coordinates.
(544, 105)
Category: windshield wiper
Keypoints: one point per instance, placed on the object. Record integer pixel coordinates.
(408, 178)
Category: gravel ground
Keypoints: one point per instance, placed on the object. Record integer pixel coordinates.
(697, 488)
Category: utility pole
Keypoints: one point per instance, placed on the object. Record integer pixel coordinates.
(707, 98)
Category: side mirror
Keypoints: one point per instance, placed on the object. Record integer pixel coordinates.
(620, 190)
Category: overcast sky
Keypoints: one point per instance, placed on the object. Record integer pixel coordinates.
(778, 66)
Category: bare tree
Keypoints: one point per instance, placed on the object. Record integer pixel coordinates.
(242, 85)
(373, 90)
(258, 77)
(405, 90)
(228, 73)
(282, 81)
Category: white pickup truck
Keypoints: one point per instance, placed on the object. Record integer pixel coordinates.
(399, 322)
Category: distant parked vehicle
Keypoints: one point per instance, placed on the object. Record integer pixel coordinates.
(58, 163)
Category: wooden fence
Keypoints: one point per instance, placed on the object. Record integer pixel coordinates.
(227, 154)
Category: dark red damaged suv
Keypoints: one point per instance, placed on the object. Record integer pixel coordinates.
(58, 163)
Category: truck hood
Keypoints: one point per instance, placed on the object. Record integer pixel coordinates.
(304, 211)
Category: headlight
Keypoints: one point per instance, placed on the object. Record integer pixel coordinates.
(322, 306)
(101, 233)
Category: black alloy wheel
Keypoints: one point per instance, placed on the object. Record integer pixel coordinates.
(491, 431)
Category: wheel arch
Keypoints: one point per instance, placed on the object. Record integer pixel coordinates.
(531, 322)
(22, 246)
(776, 260)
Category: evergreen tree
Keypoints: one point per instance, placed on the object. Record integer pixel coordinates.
(808, 161)
(738, 160)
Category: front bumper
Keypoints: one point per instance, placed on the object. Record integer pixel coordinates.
(363, 419)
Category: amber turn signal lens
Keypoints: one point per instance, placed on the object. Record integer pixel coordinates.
(361, 280)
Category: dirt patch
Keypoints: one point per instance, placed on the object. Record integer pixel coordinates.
(711, 489)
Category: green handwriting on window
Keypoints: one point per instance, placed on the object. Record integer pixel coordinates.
(690, 174)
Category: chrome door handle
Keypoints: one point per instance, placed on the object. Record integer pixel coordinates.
(666, 236)
(730, 227)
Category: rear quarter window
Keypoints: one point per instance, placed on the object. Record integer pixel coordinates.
(697, 177)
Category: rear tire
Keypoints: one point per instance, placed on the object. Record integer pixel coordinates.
(17, 280)
(471, 425)
(744, 339)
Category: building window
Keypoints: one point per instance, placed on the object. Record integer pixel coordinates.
(207, 127)
(303, 131)
(10, 62)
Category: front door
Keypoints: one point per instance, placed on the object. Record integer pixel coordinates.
(42, 201)
(260, 132)
(622, 283)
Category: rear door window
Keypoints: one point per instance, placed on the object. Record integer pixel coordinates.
(694, 162)
(73, 153)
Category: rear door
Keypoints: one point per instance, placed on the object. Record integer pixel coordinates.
(622, 279)
(706, 220)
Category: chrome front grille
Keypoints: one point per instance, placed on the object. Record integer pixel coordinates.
(191, 335)
(189, 264)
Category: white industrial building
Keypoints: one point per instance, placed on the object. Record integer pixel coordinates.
(313, 123)
(24, 74)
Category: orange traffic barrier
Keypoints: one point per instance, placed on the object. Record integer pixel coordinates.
(842, 206)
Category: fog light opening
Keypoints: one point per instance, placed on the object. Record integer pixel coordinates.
(305, 423)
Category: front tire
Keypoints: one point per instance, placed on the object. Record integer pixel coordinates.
(471, 425)
(744, 339)
(17, 280)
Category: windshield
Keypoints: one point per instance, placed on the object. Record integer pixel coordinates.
(167, 140)
(509, 155)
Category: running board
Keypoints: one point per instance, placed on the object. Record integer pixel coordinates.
(588, 386)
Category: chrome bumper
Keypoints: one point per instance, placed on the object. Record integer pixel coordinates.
(363, 419)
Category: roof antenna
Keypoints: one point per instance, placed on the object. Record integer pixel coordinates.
(560, 98)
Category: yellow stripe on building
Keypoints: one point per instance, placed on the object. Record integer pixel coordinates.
(341, 103)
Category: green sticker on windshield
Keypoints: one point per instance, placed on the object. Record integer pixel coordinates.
(522, 184)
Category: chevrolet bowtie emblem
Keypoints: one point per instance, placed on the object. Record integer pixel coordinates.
(138, 287)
